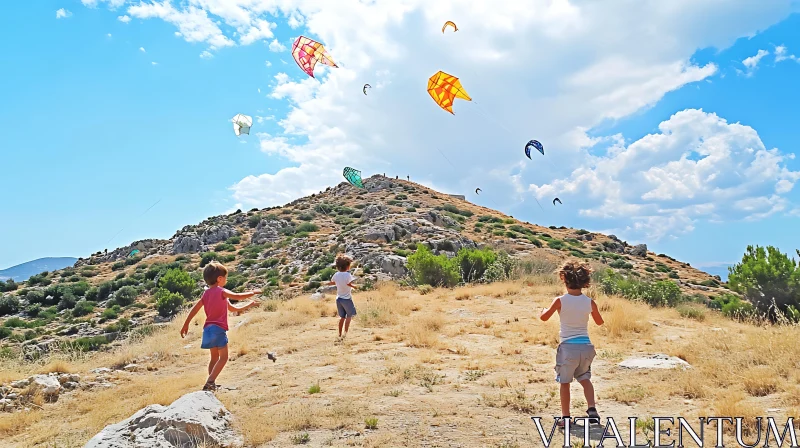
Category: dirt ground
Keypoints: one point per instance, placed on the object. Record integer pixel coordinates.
(451, 368)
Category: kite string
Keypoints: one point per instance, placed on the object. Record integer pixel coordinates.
(124, 227)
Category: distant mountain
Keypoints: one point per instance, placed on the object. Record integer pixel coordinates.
(22, 272)
(719, 269)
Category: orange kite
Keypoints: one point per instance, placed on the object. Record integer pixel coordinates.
(444, 89)
(453, 24)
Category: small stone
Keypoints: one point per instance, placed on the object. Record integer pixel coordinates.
(47, 385)
(658, 361)
(132, 368)
(255, 371)
(101, 370)
(70, 385)
(20, 384)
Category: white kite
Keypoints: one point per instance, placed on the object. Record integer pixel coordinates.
(241, 124)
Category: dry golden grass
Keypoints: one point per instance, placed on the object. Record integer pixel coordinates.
(413, 370)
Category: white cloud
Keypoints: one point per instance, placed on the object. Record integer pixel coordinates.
(63, 14)
(108, 35)
(781, 54)
(276, 46)
(142, 50)
(259, 30)
(206, 55)
(193, 23)
(111, 3)
(268, 64)
(154, 63)
(752, 62)
(124, 19)
(699, 167)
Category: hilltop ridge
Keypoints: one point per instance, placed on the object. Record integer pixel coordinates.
(288, 250)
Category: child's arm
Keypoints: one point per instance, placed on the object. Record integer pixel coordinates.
(240, 295)
(548, 312)
(351, 285)
(598, 319)
(192, 313)
(331, 283)
(236, 309)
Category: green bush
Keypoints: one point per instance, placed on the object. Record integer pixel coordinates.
(311, 286)
(80, 288)
(556, 244)
(732, 306)
(8, 286)
(67, 301)
(435, 270)
(33, 309)
(4, 333)
(177, 281)
(104, 290)
(253, 221)
(125, 295)
(224, 247)
(89, 343)
(111, 313)
(14, 322)
(474, 262)
(82, 308)
(9, 305)
(502, 268)
(207, 257)
(117, 266)
(233, 240)
(768, 279)
(656, 294)
(38, 279)
(307, 227)
(168, 303)
(620, 264)
(326, 274)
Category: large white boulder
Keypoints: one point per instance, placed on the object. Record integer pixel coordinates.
(195, 419)
(658, 361)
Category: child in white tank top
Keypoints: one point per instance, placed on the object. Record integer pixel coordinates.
(575, 352)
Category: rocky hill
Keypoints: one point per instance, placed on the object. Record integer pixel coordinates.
(288, 250)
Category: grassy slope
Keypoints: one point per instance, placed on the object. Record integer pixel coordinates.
(464, 366)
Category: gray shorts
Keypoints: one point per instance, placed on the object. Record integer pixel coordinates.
(345, 307)
(574, 361)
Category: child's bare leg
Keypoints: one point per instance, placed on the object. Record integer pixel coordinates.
(214, 359)
(341, 323)
(223, 359)
(346, 324)
(588, 392)
(565, 399)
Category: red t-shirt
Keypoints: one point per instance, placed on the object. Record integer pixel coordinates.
(216, 307)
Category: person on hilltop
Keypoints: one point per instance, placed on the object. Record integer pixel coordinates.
(343, 280)
(575, 352)
(216, 304)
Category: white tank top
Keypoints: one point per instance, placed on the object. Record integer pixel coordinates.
(574, 317)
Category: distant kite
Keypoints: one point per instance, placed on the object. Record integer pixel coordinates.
(557, 200)
(366, 86)
(477, 190)
(353, 176)
(307, 53)
(133, 252)
(533, 144)
(241, 124)
(444, 89)
(449, 23)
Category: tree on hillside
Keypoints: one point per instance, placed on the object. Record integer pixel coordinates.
(769, 279)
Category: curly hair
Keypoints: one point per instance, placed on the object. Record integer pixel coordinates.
(343, 262)
(575, 274)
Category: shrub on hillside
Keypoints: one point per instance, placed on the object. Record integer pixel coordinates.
(326, 274)
(177, 281)
(502, 269)
(125, 295)
(768, 279)
(9, 305)
(168, 303)
(8, 286)
(79, 288)
(732, 306)
(35, 296)
(67, 301)
(33, 309)
(82, 308)
(661, 293)
(474, 262)
(253, 221)
(307, 227)
(4, 333)
(435, 270)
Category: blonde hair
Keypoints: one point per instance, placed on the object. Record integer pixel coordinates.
(214, 271)
(576, 275)
(343, 262)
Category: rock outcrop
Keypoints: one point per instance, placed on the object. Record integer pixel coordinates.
(658, 361)
(195, 419)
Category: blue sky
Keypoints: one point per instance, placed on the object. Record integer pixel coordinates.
(102, 117)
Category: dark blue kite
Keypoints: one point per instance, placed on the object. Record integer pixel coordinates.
(533, 144)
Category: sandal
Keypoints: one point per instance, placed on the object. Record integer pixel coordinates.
(210, 386)
(272, 356)
(561, 423)
(594, 417)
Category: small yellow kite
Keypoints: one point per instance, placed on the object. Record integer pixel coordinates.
(453, 24)
(444, 89)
